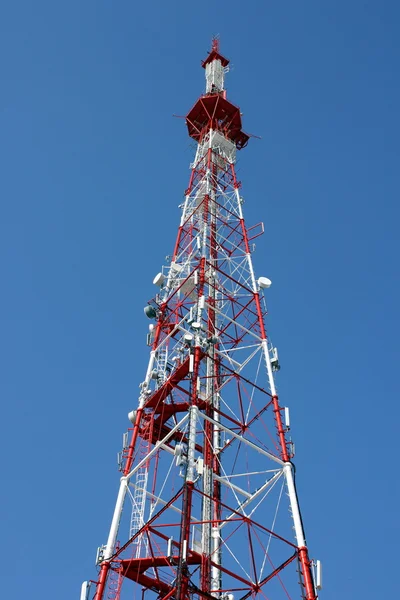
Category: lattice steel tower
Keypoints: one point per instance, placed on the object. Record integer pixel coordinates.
(207, 506)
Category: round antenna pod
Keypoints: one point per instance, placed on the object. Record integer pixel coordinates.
(196, 325)
(264, 282)
(132, 416)
(176, 267)
(159, 279)
(150, 312)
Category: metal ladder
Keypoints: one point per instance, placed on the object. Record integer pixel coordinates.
(140, 486)
(162, 359)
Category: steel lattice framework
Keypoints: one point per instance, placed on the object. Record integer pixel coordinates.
(207, 506)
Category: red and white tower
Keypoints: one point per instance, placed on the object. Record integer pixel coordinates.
(207, 505)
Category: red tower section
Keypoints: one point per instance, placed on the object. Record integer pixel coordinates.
(207, 504)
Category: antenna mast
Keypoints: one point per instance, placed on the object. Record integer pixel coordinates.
(207, 506)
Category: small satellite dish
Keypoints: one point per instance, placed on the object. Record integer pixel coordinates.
(159, 279)
(264, 282)
(176, 267)
(150, 312)
(132, 416)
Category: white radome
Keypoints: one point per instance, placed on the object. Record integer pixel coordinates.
(264, 282)
(159, 279)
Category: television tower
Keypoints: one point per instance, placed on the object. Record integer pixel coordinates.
(207, 505)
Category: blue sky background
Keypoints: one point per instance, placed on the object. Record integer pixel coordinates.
(93, 168)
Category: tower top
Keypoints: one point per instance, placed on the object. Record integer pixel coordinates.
(213, 111)
(214, 54)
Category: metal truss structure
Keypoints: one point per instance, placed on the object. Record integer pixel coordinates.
(207, 506)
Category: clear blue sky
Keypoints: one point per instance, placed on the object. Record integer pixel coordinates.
(93, 168)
